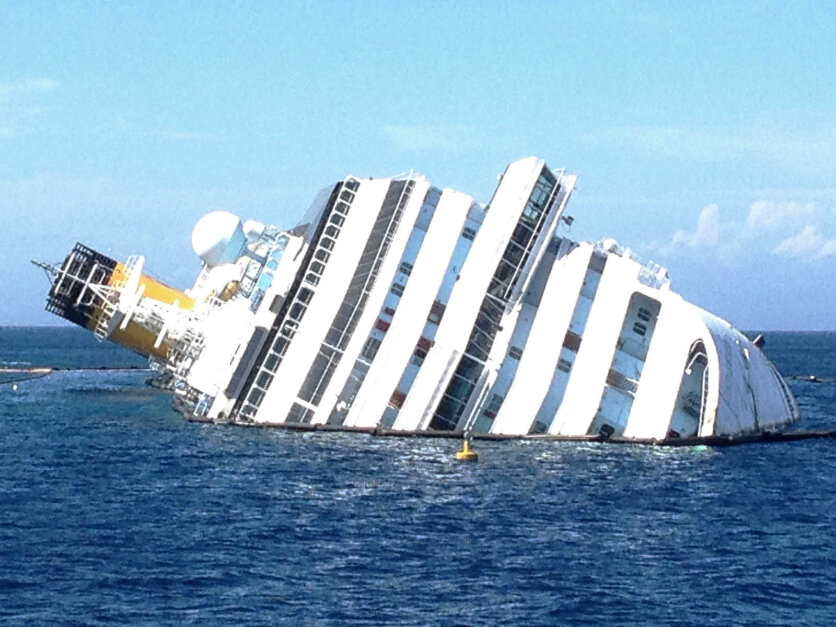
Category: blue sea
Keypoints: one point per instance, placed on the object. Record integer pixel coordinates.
(115, 510)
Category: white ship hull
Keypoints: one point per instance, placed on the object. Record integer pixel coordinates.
(396, 305)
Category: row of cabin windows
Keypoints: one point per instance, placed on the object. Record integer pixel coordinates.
(327, 241)
(617, 380)
(346, 319)
(436, 312)
(572, 341)
(484, 330)
(303, 296)
(298, 308)
(437, 309)
(372, 345)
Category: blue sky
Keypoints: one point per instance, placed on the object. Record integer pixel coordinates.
(704, 133)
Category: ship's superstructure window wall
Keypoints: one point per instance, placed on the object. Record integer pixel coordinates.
(508, 272)
(387, 310)
(519, 338)
(442, 297)
(354, 302)
(258, 271)
(287, 322)
(627, 365)
(258, 281)
(544, 419)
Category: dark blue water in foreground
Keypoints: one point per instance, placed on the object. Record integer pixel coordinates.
(115, 510)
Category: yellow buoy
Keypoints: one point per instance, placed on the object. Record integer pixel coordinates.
(466, 454)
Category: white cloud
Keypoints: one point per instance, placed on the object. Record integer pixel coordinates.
(765, 215)
(706, 234)
(807, 243)
(757, 235)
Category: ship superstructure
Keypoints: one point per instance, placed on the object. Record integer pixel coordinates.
(397, 305)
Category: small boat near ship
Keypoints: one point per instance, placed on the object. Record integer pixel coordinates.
(397, 306)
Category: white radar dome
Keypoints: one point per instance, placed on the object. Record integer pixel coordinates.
(218, 237)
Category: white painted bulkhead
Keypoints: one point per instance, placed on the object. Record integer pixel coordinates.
(325, 303)
(374, 302)
(454, 331)
(486, 412)
(472, 224)
(539, 359)
(225, 331)
(492, 385)
(598, 345)
(677, 328)
(407, 325)
(215, 367)
(391, 300)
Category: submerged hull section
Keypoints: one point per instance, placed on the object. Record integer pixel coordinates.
(397, 305)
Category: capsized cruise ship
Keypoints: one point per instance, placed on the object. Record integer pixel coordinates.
(398, 306)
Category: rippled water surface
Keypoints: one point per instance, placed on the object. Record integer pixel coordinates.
(114, 510)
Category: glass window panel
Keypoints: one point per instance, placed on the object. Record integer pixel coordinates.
(332, 231)
(304, 294)
(264, 380)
